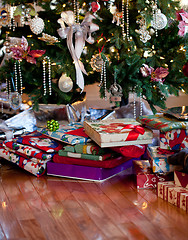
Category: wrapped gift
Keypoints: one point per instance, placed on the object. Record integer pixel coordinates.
(162, 122)
(176, 139)
(86, 172)
(145, 178)
(174, 195)
(173, 132)
(39, 141)
(72, 133)
(184, 201)
(181, 179)
(34, 166)
(159, 162)
(162, 189)
(117, 132)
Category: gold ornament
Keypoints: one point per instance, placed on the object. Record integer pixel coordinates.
(97, 62)
(48, 38)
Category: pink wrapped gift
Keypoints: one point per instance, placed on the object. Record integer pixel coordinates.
(145, 178)
(181, 179)
(174, 195)
(184, 201)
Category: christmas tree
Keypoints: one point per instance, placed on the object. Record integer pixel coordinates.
(137, 46)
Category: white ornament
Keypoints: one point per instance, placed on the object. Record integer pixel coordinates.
(160, 20)
(65, 83)
(37, 25)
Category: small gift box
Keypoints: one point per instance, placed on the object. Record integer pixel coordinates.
(159, 162)
(174, 195)
(145, 178)
(181, 179)
(117, 132)
(184, 201)
(162, 189)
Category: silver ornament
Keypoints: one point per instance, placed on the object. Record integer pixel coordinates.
(37, 25)
(65, 83)
(160, 20)
(15, 100)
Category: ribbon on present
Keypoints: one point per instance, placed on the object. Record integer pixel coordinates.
(4, 128)
(82, 33)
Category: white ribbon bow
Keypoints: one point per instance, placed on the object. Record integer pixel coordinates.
(82, 33)
(4, 128)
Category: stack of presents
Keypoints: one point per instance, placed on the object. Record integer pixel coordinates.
(100, 149)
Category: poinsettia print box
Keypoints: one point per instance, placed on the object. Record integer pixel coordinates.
(118, 132)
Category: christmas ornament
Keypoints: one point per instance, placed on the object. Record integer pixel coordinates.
(37, 25)
(48, 38)
(95, 6)
(103, 78)
(23, 51)
(185, 69)
(182, 17)
(47, 61)
(115, 90)
(16, 72)
(4, 17)
(127, 18)
(144, 33)
(52, 125)
(82, 33)
(117, 16)
(159, 20)
(65, 83)
(97, 62)
(15, 100)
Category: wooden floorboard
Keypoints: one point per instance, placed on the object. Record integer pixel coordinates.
(54, 208)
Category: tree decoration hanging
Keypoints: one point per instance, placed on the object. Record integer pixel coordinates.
(82, 33)
(65, 83)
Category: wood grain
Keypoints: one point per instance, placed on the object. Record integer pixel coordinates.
(55, 208)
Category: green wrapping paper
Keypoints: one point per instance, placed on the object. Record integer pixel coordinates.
(89, 148)
(87, 156)
(162, 122)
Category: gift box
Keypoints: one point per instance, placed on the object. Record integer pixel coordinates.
(72, 133)
(162, 189)
(184, 201)
(159, 162)
(181, 179)
(173, 132)
(162, 122)
(174, 195)
(85, 172)
(117, 132)
(176, 139)
(145, 178)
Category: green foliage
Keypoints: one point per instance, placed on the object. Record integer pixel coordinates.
(166, 50)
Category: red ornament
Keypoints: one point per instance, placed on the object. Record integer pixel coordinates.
(185, 69)
(95, 6)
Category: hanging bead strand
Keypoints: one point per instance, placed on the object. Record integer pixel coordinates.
(49, 76)
(7, 89)
(134, 107)
(104, 69)
(154, 11)
(127, 18)
(77, 11)
(123, 19)
(141, 104)
(44, 75)
(20, 76)
(16, 77)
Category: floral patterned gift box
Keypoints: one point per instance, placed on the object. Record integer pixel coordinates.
(117, 132)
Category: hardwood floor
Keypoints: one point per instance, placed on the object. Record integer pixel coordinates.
(63, 209)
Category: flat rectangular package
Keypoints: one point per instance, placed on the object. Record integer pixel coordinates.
(117, 132)
(85, 172)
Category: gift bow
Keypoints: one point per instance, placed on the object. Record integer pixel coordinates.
(136, 131)
(4, 128)
(82, 33)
